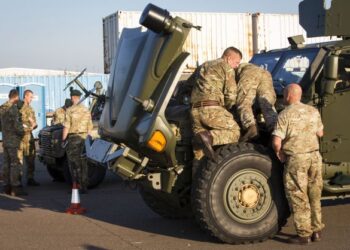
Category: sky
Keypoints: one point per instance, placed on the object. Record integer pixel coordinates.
(67, 34)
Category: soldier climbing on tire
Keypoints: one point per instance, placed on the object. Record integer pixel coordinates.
(213, 95)
(254, 86)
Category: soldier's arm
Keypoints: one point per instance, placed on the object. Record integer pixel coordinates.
(319, 132)
(33, 119)
(17, 121)
(66, 124)
(230, 88)
(90, 125)
(277, 147)
(279, 134)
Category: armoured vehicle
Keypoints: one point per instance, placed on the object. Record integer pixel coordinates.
(146, 133)
(51, 152)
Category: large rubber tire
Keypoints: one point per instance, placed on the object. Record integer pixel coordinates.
(240, 198)
(55, 173)
(174, 205)
(95, 174)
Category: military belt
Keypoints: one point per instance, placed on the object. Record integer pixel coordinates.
(72, 134)
(206, 103)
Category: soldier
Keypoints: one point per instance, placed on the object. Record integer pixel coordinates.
(77, 126)
(213, 95)
(60, 113)
(295, 142)
(255, 85)
(12, 134)
(28, 143)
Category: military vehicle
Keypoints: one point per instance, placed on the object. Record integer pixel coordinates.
(146, 133)
(51, 152)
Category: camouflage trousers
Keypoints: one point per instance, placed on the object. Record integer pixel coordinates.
(264, 96)
(219, 122)
(28, 146)
(77, 163)
(303, 187)
(13, 164)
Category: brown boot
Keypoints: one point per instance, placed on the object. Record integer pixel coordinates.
(316, 236)
(252, 132)
(7, 189)
(299, 240)
(207, 140)
(18, 191)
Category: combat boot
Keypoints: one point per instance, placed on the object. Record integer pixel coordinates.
(299, 240)
(7, 189)
(32, 182)
(316, 236)
(18, 191)
(207, 140)
(252, 133)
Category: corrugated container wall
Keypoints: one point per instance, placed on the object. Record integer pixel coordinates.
(270, 31)
(219, 31)
(248, 32)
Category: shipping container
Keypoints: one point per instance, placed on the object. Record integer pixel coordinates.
(270, 31)
(219, 31)
(250, 33)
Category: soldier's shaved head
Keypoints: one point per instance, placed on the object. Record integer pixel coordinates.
(232, 56)
(292, 93)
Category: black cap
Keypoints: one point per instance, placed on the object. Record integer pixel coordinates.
(75, 92)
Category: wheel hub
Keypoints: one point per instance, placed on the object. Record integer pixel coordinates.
(247, 196)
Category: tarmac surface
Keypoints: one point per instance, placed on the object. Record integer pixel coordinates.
(117, 218)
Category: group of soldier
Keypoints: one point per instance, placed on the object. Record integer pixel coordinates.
(224, 92)
(17, 124)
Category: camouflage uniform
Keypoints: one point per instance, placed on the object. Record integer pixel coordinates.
(28, 143)
(12, 133)
(255, 84)
(215, 82)
(297, 125)
(79, 124)
(59, 116)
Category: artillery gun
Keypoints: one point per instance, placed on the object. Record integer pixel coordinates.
(145, 130)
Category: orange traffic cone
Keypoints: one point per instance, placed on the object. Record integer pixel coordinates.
(75, 207)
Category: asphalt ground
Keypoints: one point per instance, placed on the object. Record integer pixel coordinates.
(117, 218)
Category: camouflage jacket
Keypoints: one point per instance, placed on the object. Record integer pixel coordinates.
(59, 116)
(297, 126)
(250, 77)
(27, 112)
(12, 127)
(78, 120)
(215, 81)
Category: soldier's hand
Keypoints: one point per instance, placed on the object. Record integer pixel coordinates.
(282, 156)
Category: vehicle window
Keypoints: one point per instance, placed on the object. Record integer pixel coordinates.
(292, 68)
(343, 82)
(266, 61)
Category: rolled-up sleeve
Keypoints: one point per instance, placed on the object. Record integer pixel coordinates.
(281, 127)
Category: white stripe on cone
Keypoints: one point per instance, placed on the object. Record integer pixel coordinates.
(75, 196)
